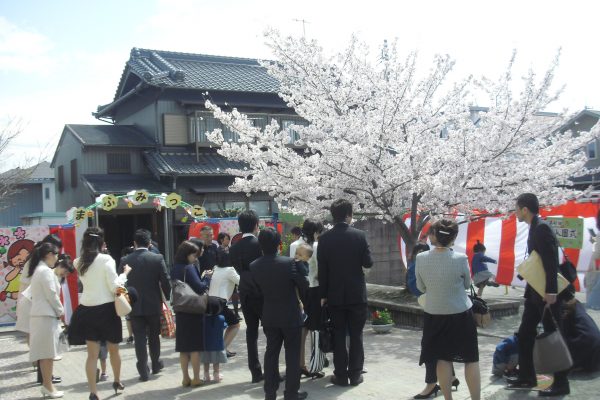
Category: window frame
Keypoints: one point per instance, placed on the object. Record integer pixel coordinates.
(115, 171)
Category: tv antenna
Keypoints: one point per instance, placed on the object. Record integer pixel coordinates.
(304, 22)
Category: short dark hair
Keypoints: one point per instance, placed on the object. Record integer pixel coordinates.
(478, 247)
(222, 236)
(445, 231)
(184, 250)
(247, 220)
(296, 231)
(340, 210)
(310, 228)
(141, 237)
(269, 240)
(530, 201)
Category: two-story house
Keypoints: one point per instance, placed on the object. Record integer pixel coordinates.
(34, 201)
(157, 141)
(583, 122)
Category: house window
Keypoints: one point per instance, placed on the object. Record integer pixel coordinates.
(201, 123)
(74, 173)
(61, 178)
(47, 193)
(118, 163)
(591, 150)
(444, 133)
(262, 208)
(288, 125)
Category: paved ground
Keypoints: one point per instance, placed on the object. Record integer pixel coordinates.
(391, 359)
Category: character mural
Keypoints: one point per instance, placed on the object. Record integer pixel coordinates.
(15, 246)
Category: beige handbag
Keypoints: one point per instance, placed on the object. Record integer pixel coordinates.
(532, 270)
(122, 305)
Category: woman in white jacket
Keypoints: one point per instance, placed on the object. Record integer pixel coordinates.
(46, 310)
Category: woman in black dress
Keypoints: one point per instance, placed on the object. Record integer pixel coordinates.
(189, 335)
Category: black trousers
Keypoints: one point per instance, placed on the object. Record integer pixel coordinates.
(348, 320)
(532, 315)
(252, 310)
(290, 338)
(146, 331)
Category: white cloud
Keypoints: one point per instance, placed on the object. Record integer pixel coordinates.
(24, 50)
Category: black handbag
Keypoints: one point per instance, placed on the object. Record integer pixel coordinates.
(481, 311)
(326, 332)
(185, 300)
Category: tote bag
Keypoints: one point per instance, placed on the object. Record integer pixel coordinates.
(122, 306)
(550, 351)
(185, 300)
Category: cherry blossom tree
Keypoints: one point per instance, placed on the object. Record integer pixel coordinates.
(395, 140)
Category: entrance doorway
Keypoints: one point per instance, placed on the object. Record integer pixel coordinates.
(119, 229)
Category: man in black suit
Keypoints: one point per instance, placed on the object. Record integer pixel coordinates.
(208, 259)
(543, 241)
(277, 279)
(148, 275)
(242, 254)
(342, 254)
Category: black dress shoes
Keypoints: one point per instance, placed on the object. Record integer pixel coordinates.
(158, 367)
(357, 381)
(520, 383)
(299, 396)
(561, 390)
(338, 381)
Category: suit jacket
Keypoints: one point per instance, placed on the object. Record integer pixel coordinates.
(45, 293)
(276, 279)
(242, 254)
(543, 241)
(343, 252)
(148, 275)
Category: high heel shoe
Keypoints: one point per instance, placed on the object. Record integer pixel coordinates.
(93, 396)
(53, 395)
(455, 383)
(118, 386)
(433, 393)
(304, 372)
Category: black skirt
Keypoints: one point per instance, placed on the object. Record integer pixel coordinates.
(450, 338)
(95, 323)
(313, 309)
(189, 332)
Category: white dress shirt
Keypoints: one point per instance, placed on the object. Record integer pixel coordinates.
(313, 268)
(294, 246)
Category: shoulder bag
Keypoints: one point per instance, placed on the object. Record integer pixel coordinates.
(185, 300)
(481, 311)
(326, 332)
(122, 305)
(550, 351)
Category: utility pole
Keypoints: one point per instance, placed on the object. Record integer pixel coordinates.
(304, 22)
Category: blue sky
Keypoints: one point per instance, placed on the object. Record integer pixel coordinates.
(60, 59)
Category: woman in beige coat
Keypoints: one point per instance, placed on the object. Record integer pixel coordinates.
(46, 310)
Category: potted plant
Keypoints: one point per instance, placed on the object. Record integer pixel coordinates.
(381, 321)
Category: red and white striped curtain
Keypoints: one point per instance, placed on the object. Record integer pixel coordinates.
(506, 240)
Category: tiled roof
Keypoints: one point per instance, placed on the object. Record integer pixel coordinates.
(198, 71)
(186, 164)
(36, 174)
(122, 183)
(110, 135)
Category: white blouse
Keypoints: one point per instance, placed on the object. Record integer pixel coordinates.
(100, 281)
(223, 281)
(313, 268)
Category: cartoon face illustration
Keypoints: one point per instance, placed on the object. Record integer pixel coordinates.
(19, 252)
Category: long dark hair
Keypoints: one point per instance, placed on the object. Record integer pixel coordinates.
(39, 253)
(309, 229)
(91, 246)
